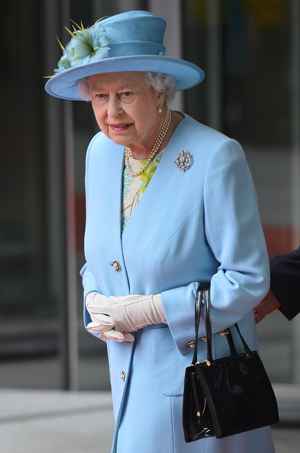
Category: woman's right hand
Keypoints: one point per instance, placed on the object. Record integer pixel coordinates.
(97, 331)
(104, 330)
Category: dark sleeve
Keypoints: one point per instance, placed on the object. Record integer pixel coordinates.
(285, 282)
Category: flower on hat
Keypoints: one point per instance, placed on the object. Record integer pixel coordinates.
(86, 45)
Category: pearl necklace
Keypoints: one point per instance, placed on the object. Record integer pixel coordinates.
(165, 126)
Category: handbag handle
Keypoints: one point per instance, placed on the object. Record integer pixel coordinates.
(203, 301)
(203, 286)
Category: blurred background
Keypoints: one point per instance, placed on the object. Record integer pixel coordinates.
(250, 50)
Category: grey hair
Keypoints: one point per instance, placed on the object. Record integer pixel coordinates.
(162, 83)
(84, 89)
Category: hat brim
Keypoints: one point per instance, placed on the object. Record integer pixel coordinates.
(64, 85)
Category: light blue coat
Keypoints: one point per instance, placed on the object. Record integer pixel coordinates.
(189, 226)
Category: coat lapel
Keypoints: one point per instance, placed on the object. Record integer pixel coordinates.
(113, 187)
(108, 212)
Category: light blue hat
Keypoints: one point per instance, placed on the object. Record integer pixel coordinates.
(129, 41)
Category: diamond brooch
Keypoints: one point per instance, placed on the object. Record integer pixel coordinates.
(184, 160)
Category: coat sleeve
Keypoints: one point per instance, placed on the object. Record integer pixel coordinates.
(88, 279)
(285, 282)
(235, 237)
(89, 285)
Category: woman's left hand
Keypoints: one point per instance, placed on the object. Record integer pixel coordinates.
(125, 313)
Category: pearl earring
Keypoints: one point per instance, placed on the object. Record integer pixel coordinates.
(159, 110)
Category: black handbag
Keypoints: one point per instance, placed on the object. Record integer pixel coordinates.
(228, 395)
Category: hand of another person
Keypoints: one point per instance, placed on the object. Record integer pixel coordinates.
(266, 306)
(125, 313)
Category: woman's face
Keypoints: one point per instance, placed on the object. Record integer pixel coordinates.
(126, 107)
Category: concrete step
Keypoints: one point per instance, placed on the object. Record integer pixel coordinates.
(35, 421)
(288, 397)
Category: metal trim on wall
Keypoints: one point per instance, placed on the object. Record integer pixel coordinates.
(172, 12)
(124, 5)
(214, 64)
(61, 214)
(295, 162)
(70, 315)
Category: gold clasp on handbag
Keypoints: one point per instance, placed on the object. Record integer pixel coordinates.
(222, 333)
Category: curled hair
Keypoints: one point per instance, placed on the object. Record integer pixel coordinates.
(84, 89)
(162, 83)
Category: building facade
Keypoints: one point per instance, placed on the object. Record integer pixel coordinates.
(250, 51)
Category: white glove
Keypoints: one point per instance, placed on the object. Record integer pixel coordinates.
(125, 313)
(94, 328)
(105, 331)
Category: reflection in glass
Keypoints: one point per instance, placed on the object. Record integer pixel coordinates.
(29, 346)
(253, 57)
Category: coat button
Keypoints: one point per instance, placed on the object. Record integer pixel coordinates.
(116, 265)
(190, 344)
(123, 375)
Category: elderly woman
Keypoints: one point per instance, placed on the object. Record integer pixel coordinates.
(169, 203)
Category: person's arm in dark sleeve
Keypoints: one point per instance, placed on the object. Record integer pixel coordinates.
(285, 282)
